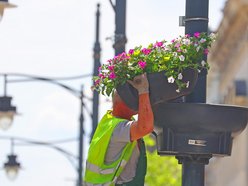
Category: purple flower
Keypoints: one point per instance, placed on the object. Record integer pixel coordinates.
(99, 69)
(206, 51)
(146, 51)
(142, 64)
(131, 51)
(112, 75)
(197, 34)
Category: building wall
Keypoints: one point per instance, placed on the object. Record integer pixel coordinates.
(229, 62)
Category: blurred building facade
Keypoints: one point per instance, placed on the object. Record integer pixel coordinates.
(228, 84)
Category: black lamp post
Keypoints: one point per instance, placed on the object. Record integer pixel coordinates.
(5, 4)
(78, 94)
(97, 64)
(120, 26)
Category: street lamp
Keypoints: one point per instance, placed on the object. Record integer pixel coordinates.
(5, 4)
(77, 93)
(12, 167)
(7, 112)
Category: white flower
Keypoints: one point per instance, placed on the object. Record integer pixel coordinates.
(199, 71)
(180, 76)
(186, 41)
(187, 84)
(212, 36)
(181, 57)
(177, 90)
(202, 40)
(171, 79)
(198, 48)
(174, 54)
(185, 51)
(203, 63)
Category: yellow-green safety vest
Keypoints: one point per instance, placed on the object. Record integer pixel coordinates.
(97, 172)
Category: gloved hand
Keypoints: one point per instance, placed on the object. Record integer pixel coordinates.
(141, 83)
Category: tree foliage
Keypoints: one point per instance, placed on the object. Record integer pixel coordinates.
(161, 170)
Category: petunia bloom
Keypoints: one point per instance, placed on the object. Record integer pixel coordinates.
(181, 57)
(206, 51)
(142, 64)
(131, 51)
(180, 76)
(112, 75)
(171, 79)
(146, 51)
(111, 67)
(197, 34)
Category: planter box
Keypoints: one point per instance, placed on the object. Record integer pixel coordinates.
(160, 90)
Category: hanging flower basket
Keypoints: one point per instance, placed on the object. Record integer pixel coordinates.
(174, 63)
(160, 90)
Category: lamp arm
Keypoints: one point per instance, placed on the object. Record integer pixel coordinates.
(24, 141)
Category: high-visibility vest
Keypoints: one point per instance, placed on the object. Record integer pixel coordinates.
(97, 172)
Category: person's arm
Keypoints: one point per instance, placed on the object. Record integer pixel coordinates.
(145, 123)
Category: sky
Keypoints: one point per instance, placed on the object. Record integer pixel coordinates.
(55, 38)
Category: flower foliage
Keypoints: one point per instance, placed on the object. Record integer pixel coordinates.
(172, 57)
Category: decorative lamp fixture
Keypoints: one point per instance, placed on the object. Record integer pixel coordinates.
(12, 167)
(7, 112)
(5, 4)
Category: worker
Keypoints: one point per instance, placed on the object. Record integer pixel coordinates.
(117, 155)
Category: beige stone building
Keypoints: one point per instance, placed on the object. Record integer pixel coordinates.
(228, 84)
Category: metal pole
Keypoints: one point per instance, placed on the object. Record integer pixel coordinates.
(196, 20)
(81, 133)
(193, 167)
(97, 64)
(198, 10)
(120, 26)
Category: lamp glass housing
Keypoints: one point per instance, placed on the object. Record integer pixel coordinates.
(6, 119)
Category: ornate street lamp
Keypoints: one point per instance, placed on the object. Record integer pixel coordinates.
(12, 167)
(7, 112)
(5, 4)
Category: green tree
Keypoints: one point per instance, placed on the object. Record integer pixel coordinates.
(161, 170)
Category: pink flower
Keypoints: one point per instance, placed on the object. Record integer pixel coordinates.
(142, 64)
(158, 44)
(177, 45)
(146, 51)
(99, 69)
(131, 51)
(187, 35)
(109, 61)
(101, 76)
(173, 40)
(197, 34)
(112, 75)
(206, 51)
(97, 82)
(111, 67)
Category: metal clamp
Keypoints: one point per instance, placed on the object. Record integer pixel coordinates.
(183, 19)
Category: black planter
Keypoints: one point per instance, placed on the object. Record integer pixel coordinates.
(160, 90)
